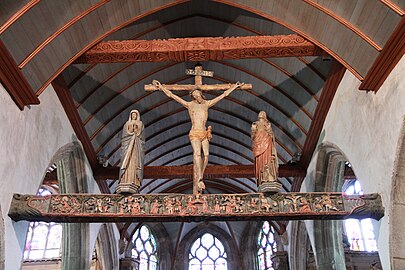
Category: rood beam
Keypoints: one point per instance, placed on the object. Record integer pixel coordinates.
(199, 49)
(211, 172)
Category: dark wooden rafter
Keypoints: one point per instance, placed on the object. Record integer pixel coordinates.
(68, 104)
(199, 49)
(14, 81)
(388, 58)
(336, 73)
(212, 171)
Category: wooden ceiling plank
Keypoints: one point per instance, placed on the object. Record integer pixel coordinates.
(212, 171)
(209, 48)
(344, 22)
(68, 104)
(14, 80)
(100, 38)
(18, 15)
(55, 34)
(385, 62)
(393, 7)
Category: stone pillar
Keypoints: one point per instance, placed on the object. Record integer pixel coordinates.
(75, 237)
(280, 260)
(129, 264)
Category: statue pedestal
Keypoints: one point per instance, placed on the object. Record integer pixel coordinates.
(127, 189)
(270, 187)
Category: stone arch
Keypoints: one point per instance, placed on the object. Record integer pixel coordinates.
(106, 247)
(234, 259)
(249, 243)
(298, 245)
(164, 247)
(397, 206)
(73, 177)
(328, 242)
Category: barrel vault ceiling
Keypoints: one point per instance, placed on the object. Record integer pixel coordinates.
(42, 39)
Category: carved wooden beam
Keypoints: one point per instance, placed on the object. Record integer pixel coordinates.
(211, 172)
(74, 208)
(14, 81)
(199, 49)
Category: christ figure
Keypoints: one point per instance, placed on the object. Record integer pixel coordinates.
(199, 135)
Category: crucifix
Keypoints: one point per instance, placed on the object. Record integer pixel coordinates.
(199, 135)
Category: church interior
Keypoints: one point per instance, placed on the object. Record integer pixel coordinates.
(328, 74)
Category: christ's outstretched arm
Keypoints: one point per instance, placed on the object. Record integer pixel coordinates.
(170, 94)
(214, 101)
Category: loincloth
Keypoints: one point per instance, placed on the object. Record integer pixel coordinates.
(200, 134)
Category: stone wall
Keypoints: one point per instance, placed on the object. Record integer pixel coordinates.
(29, 140)
(366, 127)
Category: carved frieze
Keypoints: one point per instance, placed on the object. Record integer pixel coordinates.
(199, 49)
(188, 207)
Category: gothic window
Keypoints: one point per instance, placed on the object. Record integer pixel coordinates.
(266, 246)
(360, 233)
(43, 239)
(145, 249)
(208, 253)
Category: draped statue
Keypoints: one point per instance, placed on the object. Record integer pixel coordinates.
(265, 154)
(132, 154)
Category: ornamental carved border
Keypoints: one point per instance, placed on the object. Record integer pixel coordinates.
(187, 207)
(199, 49)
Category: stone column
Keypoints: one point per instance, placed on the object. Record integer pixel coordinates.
(75, 237)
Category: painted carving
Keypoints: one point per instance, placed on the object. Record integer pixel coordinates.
(199, 49)
(199, 135)
(265, 154)
(190, 207)
(132, 154)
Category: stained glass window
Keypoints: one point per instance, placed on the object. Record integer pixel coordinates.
(43, 239)
(266, 247)
(360, 233)
(207, 253)
(145, 249)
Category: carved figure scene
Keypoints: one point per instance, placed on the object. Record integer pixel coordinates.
(132, 155)
(199, 135)
(265, 155)
(189, 207)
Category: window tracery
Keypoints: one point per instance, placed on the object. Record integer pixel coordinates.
(267, 246)
(360, 233)
(145, 249)
(207, 252)
(43, 239)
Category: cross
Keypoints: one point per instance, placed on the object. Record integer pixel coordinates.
(198, 72)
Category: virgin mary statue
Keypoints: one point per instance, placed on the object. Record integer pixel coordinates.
(132, 154)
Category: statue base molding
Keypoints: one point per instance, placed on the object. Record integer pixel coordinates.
(270, 187)
(127, 189)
